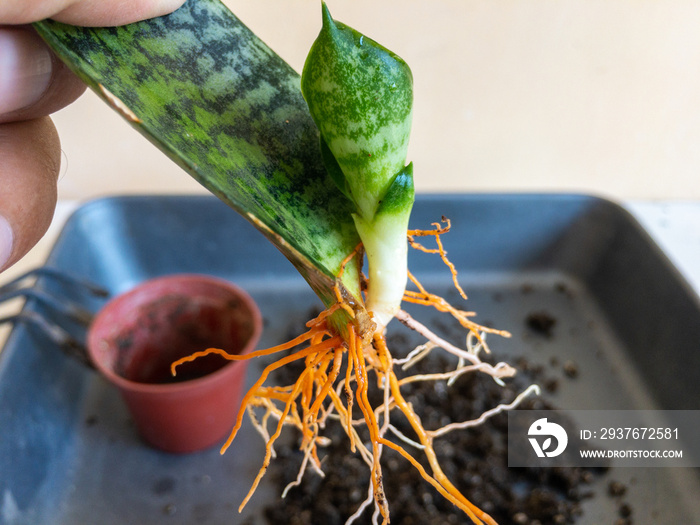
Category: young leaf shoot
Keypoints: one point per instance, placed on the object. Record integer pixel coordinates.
(360, 95)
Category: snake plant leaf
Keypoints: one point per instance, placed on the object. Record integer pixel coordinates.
(219, 102)
(361, 96)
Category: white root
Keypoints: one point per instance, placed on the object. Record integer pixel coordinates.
(405, 439)
(486, 415)
(498, 371)
(453, 375)
(460, 365)
(416, 355)
(261, 428)
(366, 503)
(476, 344)
(300, 475)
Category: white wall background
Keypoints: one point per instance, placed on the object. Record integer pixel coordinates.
(594, 96)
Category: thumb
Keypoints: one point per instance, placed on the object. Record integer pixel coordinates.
(29, 166)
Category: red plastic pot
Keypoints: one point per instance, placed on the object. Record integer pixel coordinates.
(134, 339)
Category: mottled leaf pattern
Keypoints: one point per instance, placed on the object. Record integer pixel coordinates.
(361, 96)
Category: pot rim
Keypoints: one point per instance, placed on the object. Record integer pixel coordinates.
(190, 384)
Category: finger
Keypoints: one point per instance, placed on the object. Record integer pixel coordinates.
(33, 82)
(84, 12)
(29, 166)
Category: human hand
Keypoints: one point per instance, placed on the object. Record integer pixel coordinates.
(34, 84)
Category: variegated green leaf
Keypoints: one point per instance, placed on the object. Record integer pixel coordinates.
(361, 97)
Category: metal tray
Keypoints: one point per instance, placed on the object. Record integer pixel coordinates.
(69, 454)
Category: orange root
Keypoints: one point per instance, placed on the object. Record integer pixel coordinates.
(439, 250)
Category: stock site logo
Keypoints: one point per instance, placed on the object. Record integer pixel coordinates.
(546, 431)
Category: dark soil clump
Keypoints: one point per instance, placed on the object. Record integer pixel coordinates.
(541, 323)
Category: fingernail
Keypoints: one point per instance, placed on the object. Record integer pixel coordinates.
(25, 69)
(6, 241)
